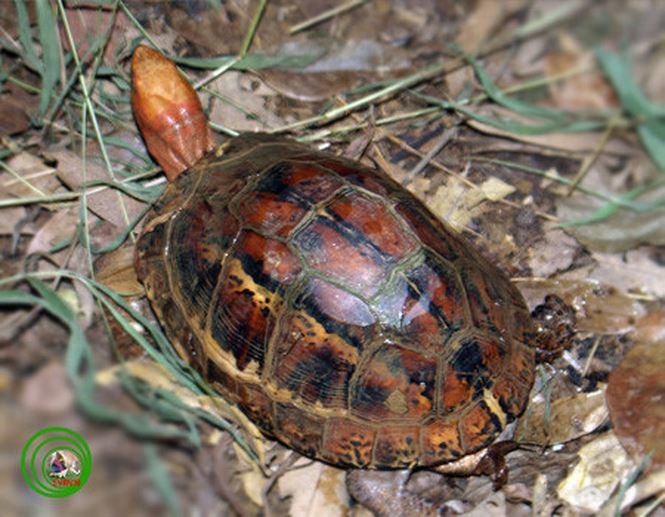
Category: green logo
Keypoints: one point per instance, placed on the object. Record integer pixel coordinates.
(56, 462)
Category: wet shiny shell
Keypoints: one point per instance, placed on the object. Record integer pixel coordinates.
(327, 303)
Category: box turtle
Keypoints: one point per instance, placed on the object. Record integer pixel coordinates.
(322, 298)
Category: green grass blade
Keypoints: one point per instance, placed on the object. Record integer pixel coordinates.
(50, 54)
(521, 107)
(620, 74)
(251, 61)
(25, 37)
(652, 136)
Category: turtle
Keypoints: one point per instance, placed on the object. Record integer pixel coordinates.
(322, 298)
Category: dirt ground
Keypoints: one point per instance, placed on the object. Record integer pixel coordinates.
(535, 128)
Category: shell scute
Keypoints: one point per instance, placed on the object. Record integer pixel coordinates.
(395, 383)
(313, 364)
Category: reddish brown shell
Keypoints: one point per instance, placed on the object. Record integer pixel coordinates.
(340, 315)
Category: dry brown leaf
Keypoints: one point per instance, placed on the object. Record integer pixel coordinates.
(457, 204)
(635, 271)
(60, 227)
(554, 254)
(571, 142)
(104, 202)
(85, 22)
(47, 390)
(483, 21)
(584, 91)
(568, 418)
(13, 119)
(601, 309)
(244, 107)
(635, 396)
(116, 270)
(316, 489)
(603, 465)
(11, 217)
(33, 178)
(651, 327)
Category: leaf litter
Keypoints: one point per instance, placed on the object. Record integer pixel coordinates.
(577, 214)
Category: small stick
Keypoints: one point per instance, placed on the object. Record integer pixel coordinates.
(325, 15)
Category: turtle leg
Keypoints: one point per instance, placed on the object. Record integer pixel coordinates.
(493, 463)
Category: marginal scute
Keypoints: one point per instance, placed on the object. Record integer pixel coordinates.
(348, 443)
(440, 442)
(478, 426)
(397, 445)
(339, 315)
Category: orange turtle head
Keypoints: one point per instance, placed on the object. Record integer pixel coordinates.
(168, 113)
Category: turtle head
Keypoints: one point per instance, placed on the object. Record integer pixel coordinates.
(168, 113)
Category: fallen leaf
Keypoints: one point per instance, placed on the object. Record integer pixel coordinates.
(621, 231)
(603, 465)
(554, 422)
(59, 228)
(588, 90)
(13, 119)
(316, 489)
(479, 25)
(630, 272)
(31, 177)
(104, 202)
(553, 254)
(636, 399)
(116, 270)
(11, 217)
(601, 309)
(243, 107)
(47, 390)
(457, 204)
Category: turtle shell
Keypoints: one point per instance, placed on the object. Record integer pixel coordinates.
(333, 308)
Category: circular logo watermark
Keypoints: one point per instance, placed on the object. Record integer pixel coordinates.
(56, 462)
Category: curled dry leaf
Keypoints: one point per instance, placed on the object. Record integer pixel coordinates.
(548, 423)
(603, 465)
(636, 399)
